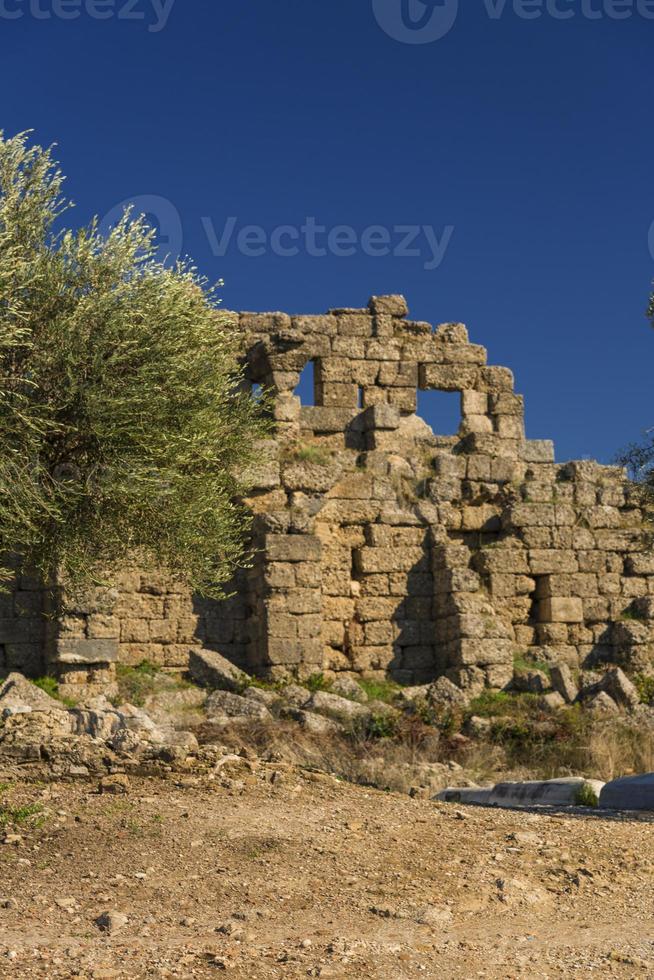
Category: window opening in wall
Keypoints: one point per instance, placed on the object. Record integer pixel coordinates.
(441, 410)
(360, 397)
(257, 392)
(306, 389)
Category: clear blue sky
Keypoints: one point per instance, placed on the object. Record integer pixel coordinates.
(532, 139)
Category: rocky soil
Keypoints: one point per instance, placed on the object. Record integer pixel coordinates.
(258, 870)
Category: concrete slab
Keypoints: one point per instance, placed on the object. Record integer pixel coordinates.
(546, 792)
(465, 794)
(629, 793)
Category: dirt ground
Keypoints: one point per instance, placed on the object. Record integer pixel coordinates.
(272, 872)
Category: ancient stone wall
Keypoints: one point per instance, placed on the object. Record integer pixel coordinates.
(384, 548)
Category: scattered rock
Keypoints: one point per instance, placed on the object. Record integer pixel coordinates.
(618, 686)
(314, 723)
(552, 701)
(340, 709)
(210, 669)
(224, 706)
(295, 696)
(116, 784)
(444, 694)
(347, 687)
(16, 689)
(531, 681)
(434, 915)
(602, 704)
(563, 682)
(478, 726)
(111, 922)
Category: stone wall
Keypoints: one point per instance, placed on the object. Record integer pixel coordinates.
(387, 549)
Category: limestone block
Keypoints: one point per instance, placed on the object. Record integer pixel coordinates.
(263, 322)
(483, 652)
(448, 377)
(545, 561)
(506, 403)
(563, 682)
(644, 607)
(280, 575)
(596, 610)
(389, 305)
(352, 486)
(376, 608)
(292, 548)
(404, 399)
(640, 564)
(477, 423)
(281, 624)
(382, 417)
(603, 516)
(510, 427)
(451, 333)
(286, 408)
(303, 601)
(495, 379)
(561, 610)
(484, 517)
(461, 354)
(474, 402)
(383, 325)
(325, 326)
(76, 651)
(538, 451)
(355, 325)
(378, 585)
(512, 561)
(320, 418)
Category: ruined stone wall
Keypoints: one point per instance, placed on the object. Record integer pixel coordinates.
(384, 548)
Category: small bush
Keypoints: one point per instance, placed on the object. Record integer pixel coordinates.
(586, 796)
(51, 687)
(135, 684)
(645, 687)
(312, 454)
(380, 690)
(15, 816)
(317, 682)
(526, 663)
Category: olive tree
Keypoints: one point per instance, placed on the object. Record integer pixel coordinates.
(639, 457)
(125, 426)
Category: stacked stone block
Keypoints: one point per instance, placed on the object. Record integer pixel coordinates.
(383, 548)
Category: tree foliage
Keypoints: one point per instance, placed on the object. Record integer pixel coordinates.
(124, 424)
(639, 457)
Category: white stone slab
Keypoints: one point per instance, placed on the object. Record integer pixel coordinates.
(546, 792)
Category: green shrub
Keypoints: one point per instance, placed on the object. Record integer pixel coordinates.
(380, 690)
(312, 454)
(586, 796)
(317, 682)
(50, 686)
(135, 684)
(645, 686)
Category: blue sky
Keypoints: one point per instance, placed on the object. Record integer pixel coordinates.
(516, 149)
